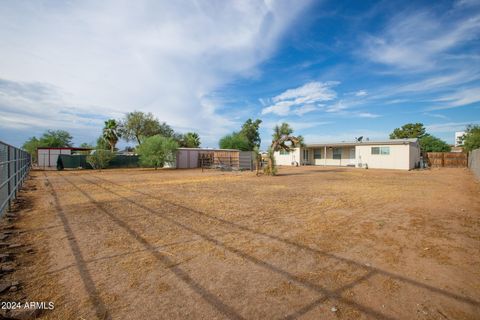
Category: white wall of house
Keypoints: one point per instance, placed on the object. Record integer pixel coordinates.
(288, 158)
(401, 157)
(414, 156)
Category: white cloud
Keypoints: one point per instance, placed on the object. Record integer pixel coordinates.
(361, 93)
(436, 115)
(460, 98)
(296, 125)
(420, 40)
(302, 99)
(339, 106)
(449, 126)
(367, 115)
(165, 57)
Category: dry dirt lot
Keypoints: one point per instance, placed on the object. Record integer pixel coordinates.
(311, 243)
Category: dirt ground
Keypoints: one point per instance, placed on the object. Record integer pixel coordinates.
(310, 243)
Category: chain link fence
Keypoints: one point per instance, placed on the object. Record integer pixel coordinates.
(14, 167)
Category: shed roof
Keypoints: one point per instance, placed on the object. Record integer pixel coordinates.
(64, 148)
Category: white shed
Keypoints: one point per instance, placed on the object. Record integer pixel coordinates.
(47, 157)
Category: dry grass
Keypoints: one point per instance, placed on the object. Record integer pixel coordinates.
(143, 244)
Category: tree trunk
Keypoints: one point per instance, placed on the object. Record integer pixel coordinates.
(270, 165)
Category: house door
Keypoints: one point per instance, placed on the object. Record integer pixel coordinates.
(352, 156)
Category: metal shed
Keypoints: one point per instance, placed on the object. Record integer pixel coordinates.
(47, 157)
(190, 157)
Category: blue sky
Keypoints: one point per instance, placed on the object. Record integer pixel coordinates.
(333, 70)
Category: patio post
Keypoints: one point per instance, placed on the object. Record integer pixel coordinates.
(325, 155)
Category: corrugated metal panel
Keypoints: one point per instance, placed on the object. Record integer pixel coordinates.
(247, 160)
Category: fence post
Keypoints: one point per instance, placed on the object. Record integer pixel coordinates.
(9, 189)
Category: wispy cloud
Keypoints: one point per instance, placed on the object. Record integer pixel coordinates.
(361, 93)
(449, 126)
(165, 57)
(460, 98)
(435, 115)
(367, 115)
(419, 40)
(302, 99)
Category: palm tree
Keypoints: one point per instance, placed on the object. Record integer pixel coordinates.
(190, 140)
(282, 140)
(111, 133)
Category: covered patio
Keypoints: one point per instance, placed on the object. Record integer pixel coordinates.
(333, 154)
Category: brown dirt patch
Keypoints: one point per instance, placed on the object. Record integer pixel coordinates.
(171, 244)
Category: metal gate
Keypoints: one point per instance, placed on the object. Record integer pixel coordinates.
(14, 168)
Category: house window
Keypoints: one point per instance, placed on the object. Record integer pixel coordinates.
(381, 150)
(284, 152)
(305, 154)
(337, 153)
(317, 154)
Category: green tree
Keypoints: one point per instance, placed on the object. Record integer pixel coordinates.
(100, 159)
(250, 129)
(102, 144)
(282, 139)
(471, 139)
(429, 143)
(234, 140)
(157, 151)
(56, 139)
(31, 146)
(87, 145)
(50, 138)
(138, 125)
(111, 133)
(190, 140)
(409, 130)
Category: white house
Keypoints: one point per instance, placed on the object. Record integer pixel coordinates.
(403, 154)
(459, 138)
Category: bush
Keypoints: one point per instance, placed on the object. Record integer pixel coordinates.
(157, 151)
(429, 143)
(100, 159)
(235, 141)
(471, 139)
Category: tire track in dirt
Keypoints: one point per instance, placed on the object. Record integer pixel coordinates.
(100, 310)
(167, 262)
(326, 294)
(445, 293)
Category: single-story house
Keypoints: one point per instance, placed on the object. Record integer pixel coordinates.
(403, 154)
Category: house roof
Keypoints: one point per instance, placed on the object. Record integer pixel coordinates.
(363, 143)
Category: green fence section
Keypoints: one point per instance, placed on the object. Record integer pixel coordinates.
(66, 161)
(123, 161)
(79, 161)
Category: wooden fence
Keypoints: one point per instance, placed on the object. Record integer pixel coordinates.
(447, 159)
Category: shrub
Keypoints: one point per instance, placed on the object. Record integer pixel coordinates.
(157, 151)
(100, 159)
(235, 141)
(429, 143)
